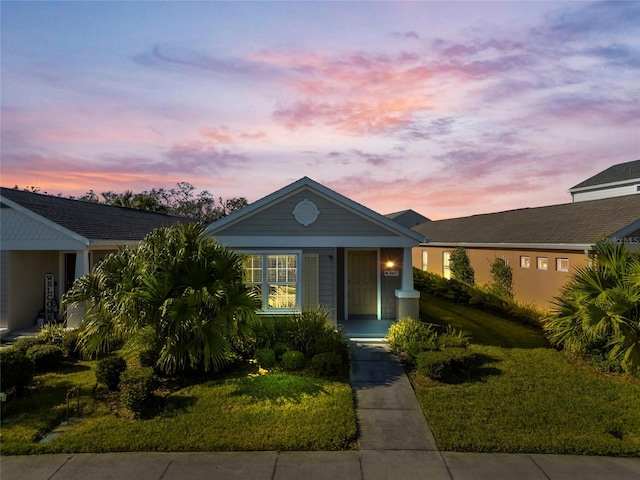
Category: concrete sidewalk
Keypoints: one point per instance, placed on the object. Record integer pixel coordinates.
(395, 442)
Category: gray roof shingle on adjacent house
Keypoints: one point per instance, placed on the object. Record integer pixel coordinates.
(571, 223)
(94, 221)
(616, 173)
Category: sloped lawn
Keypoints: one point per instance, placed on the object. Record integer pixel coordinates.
(276, 411)
(526, 396)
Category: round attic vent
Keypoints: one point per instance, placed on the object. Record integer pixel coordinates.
(306, 212)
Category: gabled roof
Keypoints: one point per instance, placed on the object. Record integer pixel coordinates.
(93, 221)
(309, 184)
(628, 172)
(578, 224)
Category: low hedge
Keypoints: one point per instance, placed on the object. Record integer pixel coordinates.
(17, 370)
(451, 364)
(45, 357)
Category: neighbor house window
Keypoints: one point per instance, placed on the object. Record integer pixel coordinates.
(446, 264)
(543, 263)
(425, 260)
(525, 261)
(562, 264)
(275, 277)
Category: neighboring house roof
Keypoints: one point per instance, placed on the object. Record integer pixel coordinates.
(571, 225)
(90, 220)
(305, 184)
(628, 172)
(408, 218)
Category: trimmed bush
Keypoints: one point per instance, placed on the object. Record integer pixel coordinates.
(281, 349)
(136, 390)
(45, 357)
(327, 364)
(444, 365)
(25, 343)
(109, 371)
(411, 336)
(266, 357)
(17, 369)
(292, 360)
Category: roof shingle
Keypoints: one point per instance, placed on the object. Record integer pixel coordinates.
(615, 173)
(571, 223)
(94, 221)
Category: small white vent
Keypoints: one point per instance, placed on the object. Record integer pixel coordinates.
(306, 212)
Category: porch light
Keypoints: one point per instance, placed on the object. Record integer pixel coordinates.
(390, 264)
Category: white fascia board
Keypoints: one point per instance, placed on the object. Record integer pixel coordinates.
(59, 228)
(314, 241)
(113, 244)
(630, 181)
(321, 190)
(47, 245)
(514, 246)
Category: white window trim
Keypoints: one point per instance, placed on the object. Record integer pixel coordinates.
(558, 260)
(265, 295)
(522, 265)
(538, 263)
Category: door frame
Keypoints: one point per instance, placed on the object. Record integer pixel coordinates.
(347, 251)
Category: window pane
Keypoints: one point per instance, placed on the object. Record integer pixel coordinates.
(282, 296)
(525, 262)
(252, 266)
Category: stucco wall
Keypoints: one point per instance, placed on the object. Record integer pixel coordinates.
(530, 285)
(26, 275)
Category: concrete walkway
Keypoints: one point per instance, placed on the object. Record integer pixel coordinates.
(395, 442)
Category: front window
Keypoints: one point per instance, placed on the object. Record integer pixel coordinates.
(446, 265)
(562, 264)
(425, 260)
(275, 276)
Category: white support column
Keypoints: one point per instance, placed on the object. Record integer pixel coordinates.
(82, 263)
(75, 314)
(408, 297)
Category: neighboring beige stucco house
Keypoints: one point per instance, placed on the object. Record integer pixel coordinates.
(617, 180)
(46, 242)
(308, 246)
(543, 245)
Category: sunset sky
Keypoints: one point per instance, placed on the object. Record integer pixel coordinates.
(449, 108)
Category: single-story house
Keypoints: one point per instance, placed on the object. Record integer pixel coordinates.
(46, 242)
(543, 245)
(617, 180)
(408, 218)
(307, 246)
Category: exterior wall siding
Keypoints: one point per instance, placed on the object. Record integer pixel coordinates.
(530, 285)
(327, 277)
(333, 220)
(4, 289)
(599, 193)
(389, 284)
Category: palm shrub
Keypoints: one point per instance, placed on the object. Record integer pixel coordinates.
(599, 309)
(187, 289)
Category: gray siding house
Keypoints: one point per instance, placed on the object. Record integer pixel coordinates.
(306, 246)
(47, 242)
(616, 181)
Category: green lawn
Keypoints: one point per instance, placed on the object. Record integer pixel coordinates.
(527, 396)
(277, 411)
